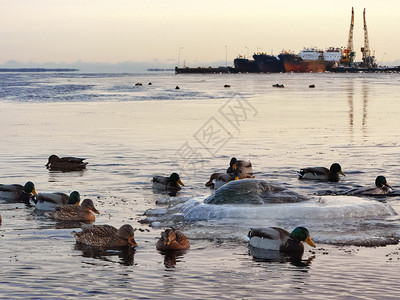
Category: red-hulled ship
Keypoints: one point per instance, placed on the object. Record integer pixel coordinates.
(308, 60)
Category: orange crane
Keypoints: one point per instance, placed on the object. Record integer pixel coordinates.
(348, 54)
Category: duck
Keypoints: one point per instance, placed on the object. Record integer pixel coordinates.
(275, 238)
(171, 184)
(172, 240)
(50, 201)
(18, 192)
(278, 85)
(238, 169)
(65, 164)
(322, 173)
(382, 187)
(0, 219)
(77, 213)
(106, 236)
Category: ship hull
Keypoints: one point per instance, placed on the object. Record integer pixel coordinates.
(268, 63)
(244, 65)
(294, 63)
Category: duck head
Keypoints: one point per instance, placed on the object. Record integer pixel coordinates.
(174, 177)
(87, 204)
(301, 234)
(52, 159)
(127, 232)
(29, 188)
(336, 168)
(74, 198)
(380, 182)
(168, 236)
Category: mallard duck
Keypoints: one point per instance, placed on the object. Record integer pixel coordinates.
(274, 238)
(381, 188)
(106, 236)
(73, 212)
(49, 201)
(17, 192)
(322, 173)
(66, 163)
(238, 169)
(171, 184)
(171, 240)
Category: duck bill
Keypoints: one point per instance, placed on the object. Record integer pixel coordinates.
(341, 173)
(388, 185)
(309, 241)
(132, 242)
(180, 182)
(34, 192)
(95, 211)
(234, 167)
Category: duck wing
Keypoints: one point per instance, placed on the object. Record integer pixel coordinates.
(317, 173)
(75, 160)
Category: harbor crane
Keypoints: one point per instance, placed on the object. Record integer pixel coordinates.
(368, 60)
(348, 55)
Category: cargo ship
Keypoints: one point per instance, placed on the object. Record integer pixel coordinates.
(308, 60)
(268, 63)
(244, 65)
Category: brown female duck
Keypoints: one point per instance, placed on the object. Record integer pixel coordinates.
(73, 212)
(106, 236)
(171, 240)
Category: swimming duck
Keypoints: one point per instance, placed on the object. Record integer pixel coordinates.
(73, 212)
(322, 173)
(381, 188)
(171, 184)
(106, 236)
(17, 192)
(274, 238)
(171, 240)
(66, 163)
(49, 201)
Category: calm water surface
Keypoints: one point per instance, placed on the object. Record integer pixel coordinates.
(129, 133)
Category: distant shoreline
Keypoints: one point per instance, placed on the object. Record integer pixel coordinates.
(37, 70)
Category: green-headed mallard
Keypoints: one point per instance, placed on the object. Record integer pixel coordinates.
(106, 236)
(274, 238)
(49, 201)
(17, 192)
(171, 240)
(73, 212)
(170, 185)
(381, 188)
(66, 163)
(322, 173)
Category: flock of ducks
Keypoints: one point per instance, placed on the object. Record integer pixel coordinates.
(62, 207)
(273, 238)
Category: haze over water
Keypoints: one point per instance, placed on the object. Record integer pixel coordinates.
(129, 133)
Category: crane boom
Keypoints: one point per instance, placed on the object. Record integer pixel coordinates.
(367, 51)
(350, 45)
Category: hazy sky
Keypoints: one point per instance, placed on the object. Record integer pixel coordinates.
(126, 30)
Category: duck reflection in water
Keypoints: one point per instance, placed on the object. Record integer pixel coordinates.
(125, 255)
(272, 256)
(172, 257)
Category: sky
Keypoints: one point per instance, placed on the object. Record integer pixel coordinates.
(194, 32)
